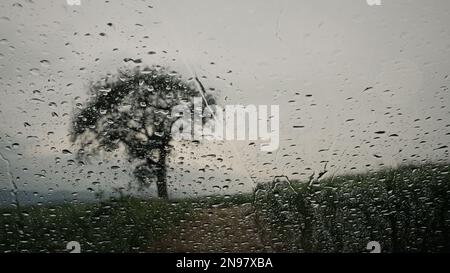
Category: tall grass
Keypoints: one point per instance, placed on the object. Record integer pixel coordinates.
(405, 209)
(125, 224)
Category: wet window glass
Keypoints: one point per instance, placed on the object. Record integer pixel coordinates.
(218, 126)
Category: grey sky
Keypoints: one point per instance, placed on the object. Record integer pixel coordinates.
(251, 52)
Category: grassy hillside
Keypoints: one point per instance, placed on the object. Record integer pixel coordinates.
(124, 224)
(405, 209)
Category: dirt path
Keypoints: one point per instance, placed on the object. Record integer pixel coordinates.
(229, 229)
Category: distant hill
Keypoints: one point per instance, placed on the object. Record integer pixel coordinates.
(55, 197)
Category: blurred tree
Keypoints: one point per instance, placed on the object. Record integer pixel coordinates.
(133, 110)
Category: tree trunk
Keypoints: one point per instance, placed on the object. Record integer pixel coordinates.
(161, 183)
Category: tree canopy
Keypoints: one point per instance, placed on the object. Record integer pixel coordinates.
(133, 110)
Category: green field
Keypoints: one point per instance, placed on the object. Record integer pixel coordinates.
(125, 224)
(406, 209)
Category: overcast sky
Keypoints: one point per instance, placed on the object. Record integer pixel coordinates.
(340, 71)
